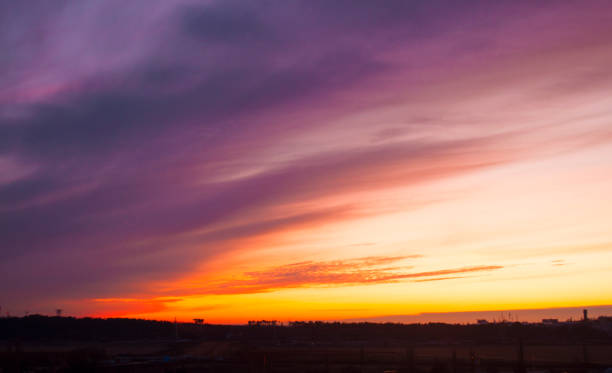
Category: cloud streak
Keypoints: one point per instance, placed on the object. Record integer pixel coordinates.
(360, 271)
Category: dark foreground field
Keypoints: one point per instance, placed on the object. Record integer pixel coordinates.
(43, 344)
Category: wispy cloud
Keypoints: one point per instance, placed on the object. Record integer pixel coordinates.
(439, 278)
(360, 271)
(118, 307)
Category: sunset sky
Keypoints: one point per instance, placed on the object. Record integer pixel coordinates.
(300, 160)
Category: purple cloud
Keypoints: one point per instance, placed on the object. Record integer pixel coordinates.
(137, 140)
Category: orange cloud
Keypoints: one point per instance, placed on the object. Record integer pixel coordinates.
(438, 279)
(359, 271)
(122, 307)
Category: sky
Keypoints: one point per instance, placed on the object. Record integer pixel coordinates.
(304, 160)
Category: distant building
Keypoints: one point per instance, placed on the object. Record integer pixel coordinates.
(604, 323)
(550, 321)
(585, 313)
(482, 322)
